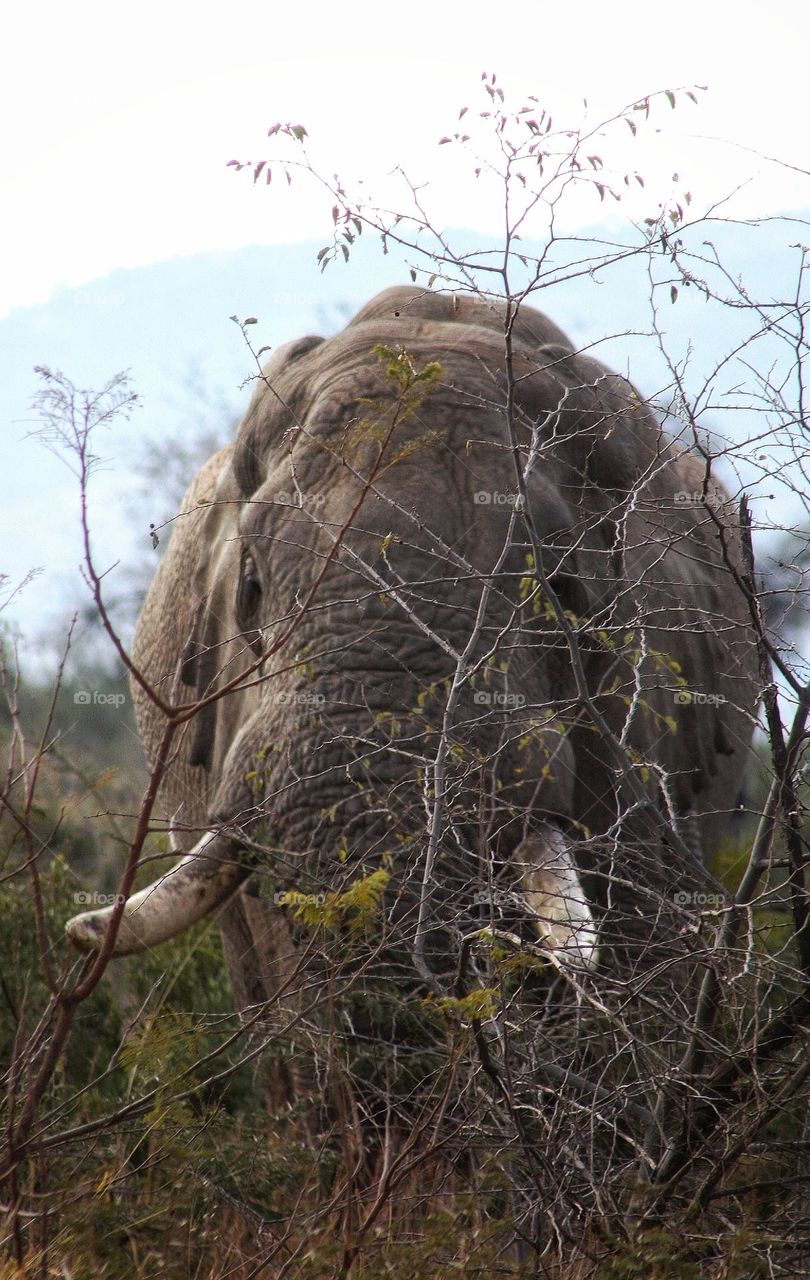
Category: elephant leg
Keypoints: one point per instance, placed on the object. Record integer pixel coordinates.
(249, 993)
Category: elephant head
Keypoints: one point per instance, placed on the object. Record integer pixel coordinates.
(428, 661)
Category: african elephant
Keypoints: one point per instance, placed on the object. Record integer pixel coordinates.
(484, 629)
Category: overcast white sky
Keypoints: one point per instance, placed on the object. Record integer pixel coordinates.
(118, 119)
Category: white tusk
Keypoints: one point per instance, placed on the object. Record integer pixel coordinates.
(552, 890)
(191, 890)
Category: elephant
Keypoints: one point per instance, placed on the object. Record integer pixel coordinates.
(457, 611)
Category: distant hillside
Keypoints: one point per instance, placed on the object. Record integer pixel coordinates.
(169, 325)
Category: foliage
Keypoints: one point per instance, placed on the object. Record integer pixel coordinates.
(375, 1113)
(355, 907)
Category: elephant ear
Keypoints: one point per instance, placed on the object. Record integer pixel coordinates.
(277, 404)
(215, 652)
(180, 625)
(199, 673)
(576, 558)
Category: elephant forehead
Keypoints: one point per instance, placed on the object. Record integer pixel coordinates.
(333, 392)
(408, 303)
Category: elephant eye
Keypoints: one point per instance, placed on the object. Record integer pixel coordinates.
(248, 599)
(571, 592)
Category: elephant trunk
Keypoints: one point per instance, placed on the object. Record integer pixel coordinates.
(198, 884)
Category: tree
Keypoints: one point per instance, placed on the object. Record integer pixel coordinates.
(633, 1120)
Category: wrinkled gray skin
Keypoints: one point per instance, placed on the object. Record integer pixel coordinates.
(321, 763)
